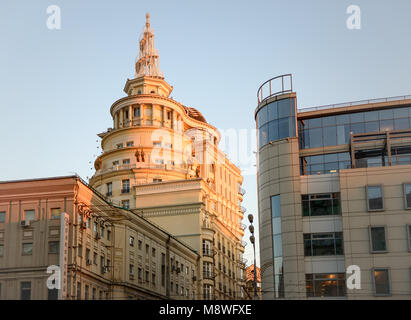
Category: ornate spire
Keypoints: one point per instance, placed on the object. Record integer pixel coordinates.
(147, 62)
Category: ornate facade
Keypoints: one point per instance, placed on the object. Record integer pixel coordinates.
(161, 159)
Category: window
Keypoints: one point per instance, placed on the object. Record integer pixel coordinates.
(95, 258)
(206, 248)
(125, 204)
(116, 163)
(125, 186)
(25, 290)
(163, 269)
(131, 270)
(375, 198)
(29, 215)
(325, 285)
(126, 161)
(207, 270)
(153, 252)
(153, 279)
(156, 143)
(119, 146)
(156, 180)
(1, 250)
(86, 291)
(323, 244)
(147, 276)
(27, 248)
(2, 216)
(108, 235)
(95, 226)
(381, 280)
(94, 293)
(131, 241)
(52, 294)
(54, 247)
(147, 249)
(321, 204)
(140, 244)
(109, 189)
(130, 144)
(207, 291)
(55, 213)
(408, 234)
(407, 196)
(377, 239)
(168, 115)
(78, 290)
(137, 112)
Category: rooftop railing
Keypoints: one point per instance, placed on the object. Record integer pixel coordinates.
(356, 103)
(275, 86)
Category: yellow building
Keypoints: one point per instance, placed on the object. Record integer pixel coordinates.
(161, 159)
(103, 252)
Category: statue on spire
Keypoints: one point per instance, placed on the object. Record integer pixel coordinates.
(147, 62)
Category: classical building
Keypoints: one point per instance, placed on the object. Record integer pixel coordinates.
(104, 252)
(334, 191)
(161, 160)
(249, 284)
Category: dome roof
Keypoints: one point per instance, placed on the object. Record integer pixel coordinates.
(195, 114)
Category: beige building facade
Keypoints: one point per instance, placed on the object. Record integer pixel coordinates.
(111, 253)
(334, 195)
(161, 159)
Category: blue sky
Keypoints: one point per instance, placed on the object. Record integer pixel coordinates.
(56, 86)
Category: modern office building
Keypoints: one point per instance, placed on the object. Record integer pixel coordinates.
(161, 159)
(103, 252)
(334, 190)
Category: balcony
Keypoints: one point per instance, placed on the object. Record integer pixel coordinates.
(242, 209)
(145, 165)
(241, 191)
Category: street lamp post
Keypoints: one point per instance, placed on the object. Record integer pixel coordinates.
(252, 240)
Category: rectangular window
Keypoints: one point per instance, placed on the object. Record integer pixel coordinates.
(325, 285)
(78, 290)
(125, 204)
(375, 198)
(131, 241)
(156, 143)
(381, 278)
(409, 237)
(119, 146)
(55, 213)
(131, 270)
(377, 239)
(130, 143)
(137, 112)
(153, 252)
(52, 294)
(86, 292)
(54, 246)
(125, 186)
(207, 292)
(109, 189)
(95, 258)
(163, 269)
(323, 244)
(29, 215)
(25, 290)
(27, 249)
(2, 216)
(94, 293)
(321, 204)
(126, 161)
(108, 235)
(206, 248)
(1, 250)
(407, 196)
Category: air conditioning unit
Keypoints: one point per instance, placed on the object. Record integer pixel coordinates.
(24, 223)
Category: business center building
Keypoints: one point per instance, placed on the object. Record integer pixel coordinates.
(334, 190)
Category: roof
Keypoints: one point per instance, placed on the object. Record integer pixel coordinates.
(250, 273)
(195, 114)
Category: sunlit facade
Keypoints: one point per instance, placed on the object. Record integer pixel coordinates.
(334, 188)
(161, 159)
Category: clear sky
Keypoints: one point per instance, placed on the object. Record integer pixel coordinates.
(56, 86)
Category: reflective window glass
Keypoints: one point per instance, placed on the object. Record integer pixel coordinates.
(386, 114)
(272, 111)
(386, 125)
(330, 136)
(316, 138)
(284, 108)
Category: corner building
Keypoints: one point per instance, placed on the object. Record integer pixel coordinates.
(161, 160)
(334, 190)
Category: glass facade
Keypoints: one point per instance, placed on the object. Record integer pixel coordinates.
(335, 130)
(325, 285)
(277, 247)
(276, 121)
(323, 244)
(324, 204)
(325, 163)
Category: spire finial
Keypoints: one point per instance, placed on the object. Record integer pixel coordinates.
(147, 62)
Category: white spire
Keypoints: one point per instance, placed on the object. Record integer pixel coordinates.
(147, 62)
